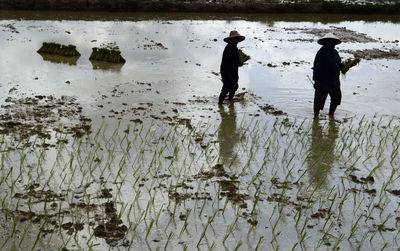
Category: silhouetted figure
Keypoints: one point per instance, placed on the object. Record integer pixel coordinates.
(322, 151)
(227, 133)
(230, 66)
(327, 66)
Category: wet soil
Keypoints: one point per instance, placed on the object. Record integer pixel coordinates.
(24, 116)
(369, 54)
(229, 187)
(110, 227)
(270, 109)
(9, 28)
(103, 215)
(346, 35)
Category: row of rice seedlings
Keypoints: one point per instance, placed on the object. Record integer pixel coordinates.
(280, 159)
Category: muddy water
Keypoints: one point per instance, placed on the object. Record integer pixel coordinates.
(182, 57)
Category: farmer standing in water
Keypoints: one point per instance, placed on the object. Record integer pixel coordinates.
(230, 66)
(327, 66)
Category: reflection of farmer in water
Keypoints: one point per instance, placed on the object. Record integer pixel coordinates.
(322, 151)
(227, 133)
(327, 66)
(230, 66)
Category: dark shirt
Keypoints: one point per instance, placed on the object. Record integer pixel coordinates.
(327, 66)
(230, 64)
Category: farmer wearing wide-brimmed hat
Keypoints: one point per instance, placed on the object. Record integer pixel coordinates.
(230, 66)
(327, 66)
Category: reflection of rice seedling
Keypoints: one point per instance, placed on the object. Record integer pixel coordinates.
(107, 55)
(348, 64)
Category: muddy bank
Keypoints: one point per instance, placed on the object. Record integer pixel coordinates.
(201, 6)
(375, 54)
(346, 35)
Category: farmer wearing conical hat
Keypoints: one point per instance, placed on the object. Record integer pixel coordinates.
(327, 66)
(230, 66)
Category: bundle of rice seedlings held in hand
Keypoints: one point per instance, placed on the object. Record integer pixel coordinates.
(107, 55)
(59, 49)
(243, 57)
(348, 64)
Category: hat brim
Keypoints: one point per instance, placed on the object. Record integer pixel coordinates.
(323, 40)
(237, 39)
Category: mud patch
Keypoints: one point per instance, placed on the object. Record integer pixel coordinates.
(345, 35)
(228, 187)
(362, 180)
(375, 54)
(110, 228)
(23, 117)
(9, 27)
(151, 45)
(270, 109)
(62, 215)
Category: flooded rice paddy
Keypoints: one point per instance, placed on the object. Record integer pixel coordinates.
(98, 156)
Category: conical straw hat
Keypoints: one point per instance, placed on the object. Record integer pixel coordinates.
(322, 40)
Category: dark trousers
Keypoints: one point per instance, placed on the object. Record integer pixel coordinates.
(227, 88)
(320, 98)
(321, 95)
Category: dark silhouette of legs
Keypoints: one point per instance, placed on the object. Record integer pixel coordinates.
(232, 90)
(332, 109)
(223, 93)
(227, 88)
(319, 101)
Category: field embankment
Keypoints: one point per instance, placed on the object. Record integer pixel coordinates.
(202, 6)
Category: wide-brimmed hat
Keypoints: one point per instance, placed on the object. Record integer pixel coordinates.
(234, 36)
(322, 40)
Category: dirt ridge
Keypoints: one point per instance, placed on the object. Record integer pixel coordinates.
(199, 6)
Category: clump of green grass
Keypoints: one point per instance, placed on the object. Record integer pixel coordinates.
(107, 55)
(59, 49)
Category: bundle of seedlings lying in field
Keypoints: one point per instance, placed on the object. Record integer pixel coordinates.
(243, 57)
(107, 55)
(59, 49)
(348, 64)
